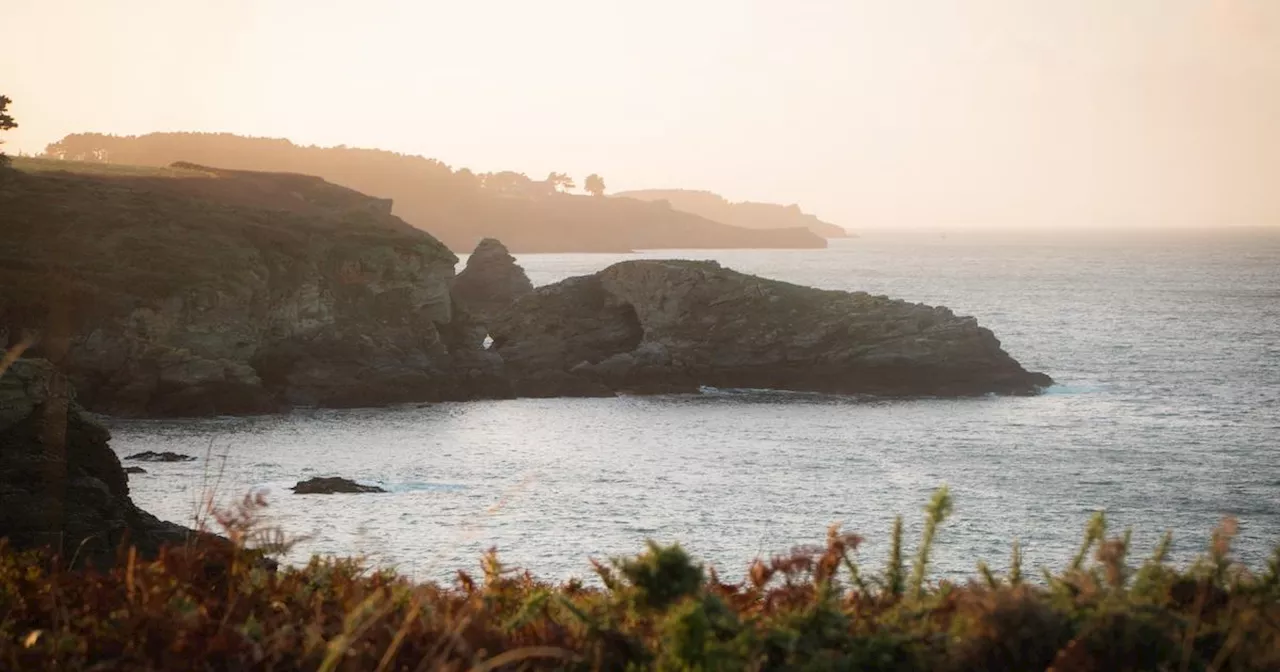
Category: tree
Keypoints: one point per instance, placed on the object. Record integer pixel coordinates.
(508, 183)
(6, 123)
(560, 181)
(594, 185)
(468, 179)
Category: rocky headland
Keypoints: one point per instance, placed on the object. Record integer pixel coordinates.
(196, 291)
(457, 207)
(748, 215)
(675, 326)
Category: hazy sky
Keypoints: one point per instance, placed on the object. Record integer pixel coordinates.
(884, 113)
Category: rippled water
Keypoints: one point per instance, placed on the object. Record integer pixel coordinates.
(1166, 415)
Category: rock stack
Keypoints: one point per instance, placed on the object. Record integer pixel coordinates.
(60, 484)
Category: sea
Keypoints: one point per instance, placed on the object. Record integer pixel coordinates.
(1165, 347)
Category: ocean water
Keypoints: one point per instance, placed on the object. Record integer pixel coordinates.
(1165, 348)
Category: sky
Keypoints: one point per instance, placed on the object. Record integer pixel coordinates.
(870, 114)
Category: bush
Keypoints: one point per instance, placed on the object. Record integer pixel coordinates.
(218, 606)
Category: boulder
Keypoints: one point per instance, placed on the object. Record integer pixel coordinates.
(166, 456)
(134, 470)
(331, 485)
(491, 282)
(674, 326)
(61, 485)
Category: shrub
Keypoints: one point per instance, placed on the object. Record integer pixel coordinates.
(218, 606)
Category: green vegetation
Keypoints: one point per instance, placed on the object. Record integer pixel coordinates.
(36, 165)
(594, 185)
(6, 123)
(216, 607)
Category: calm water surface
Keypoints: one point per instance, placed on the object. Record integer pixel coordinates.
(1166, 415)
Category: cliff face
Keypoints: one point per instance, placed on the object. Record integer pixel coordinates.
(662, 326)
(748, 215)
(199, 291)
(60, 484)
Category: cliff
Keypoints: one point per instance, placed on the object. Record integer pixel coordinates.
(747, 214)
(191, 290)
(60, 484)
(458, 207)
(670, 326)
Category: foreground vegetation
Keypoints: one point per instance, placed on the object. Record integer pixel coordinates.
(218, 606)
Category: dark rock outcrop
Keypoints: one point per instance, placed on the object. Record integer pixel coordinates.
(667, 326)
(60, 484)
(332, 485)
(166, 456)
(491, 282)
(134, 470)
(198, 291)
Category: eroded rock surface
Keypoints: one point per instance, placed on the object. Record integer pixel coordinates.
(332, 485)
(60, 483)
(668, 326)
(491, 282)
(207, 291)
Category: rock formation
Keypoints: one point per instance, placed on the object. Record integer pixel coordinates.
(166, 456)
(666, 326)
(196, 291)
(60, 484)
(332, 485)
(491, 282)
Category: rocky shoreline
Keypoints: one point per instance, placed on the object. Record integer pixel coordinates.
(60, 483)
(269, 290)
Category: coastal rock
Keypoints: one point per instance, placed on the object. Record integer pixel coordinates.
(491, 282)
(332, 485)
(134, 470)
(261, 291)
(668, 326)
(60, 483)
(166, 456)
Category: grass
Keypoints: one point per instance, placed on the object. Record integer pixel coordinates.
(38, 165)
(219, 607)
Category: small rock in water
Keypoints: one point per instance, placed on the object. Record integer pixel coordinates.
(134, 470)
(331, 485)
(166, 456)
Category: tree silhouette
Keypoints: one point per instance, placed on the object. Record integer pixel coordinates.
(594, 185)
(6, 123)
(560, 181)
